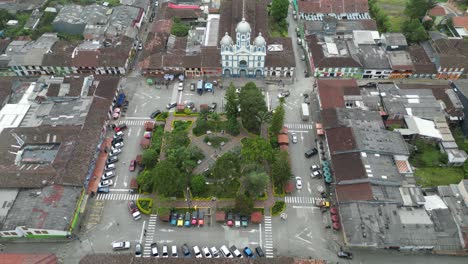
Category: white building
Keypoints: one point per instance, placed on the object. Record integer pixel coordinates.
(243, 59)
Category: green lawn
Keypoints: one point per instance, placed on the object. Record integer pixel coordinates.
(394, 9)
(434, 176)
(460, 139)
(427, 155)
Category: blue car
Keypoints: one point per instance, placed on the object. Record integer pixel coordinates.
(103, 190)
(187, 219)
(248, 252)
(173, 219)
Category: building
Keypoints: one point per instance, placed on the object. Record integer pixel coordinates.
(241, 59)
(393, 41)
(438, 12)
(280, 62)
(72, 19)
(343, 10)
(460, 23)
(450, 57)
(423, 66)
(334, 26)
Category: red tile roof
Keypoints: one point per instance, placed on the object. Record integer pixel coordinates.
(28, 259)
(331, 92)
(460, 21)
(348, 166)
(333, 6)
(437, 11)
(256, 217)
(354, 192)
(283, 139)
(340, 139)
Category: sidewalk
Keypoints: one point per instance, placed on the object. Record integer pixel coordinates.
(99, 168)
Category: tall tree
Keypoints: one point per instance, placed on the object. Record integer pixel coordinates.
(263, 117)
(227, 167)
(232, 102)
(145, 181)
(414, 31)
(251, 102)
(277, 120)
(244, 205)
(233, 126)
(198, 185)
(257, 150)
(150, 157)
(279, 9)
(168, 180)
(255, 183)
(281, 169)
(417, 9)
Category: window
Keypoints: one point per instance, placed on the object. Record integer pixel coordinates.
(379, 72)
(37, 232)
(227, 63)
(368, 71)
(259, 64)
(259, 58)
(226, 57)
(29, 233)
(45, 232)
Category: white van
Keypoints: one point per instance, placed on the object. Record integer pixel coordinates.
(225, 251)
(174, 252)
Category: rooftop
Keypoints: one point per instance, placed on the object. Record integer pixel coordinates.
(331, 24)
(77, 14)
(45, 208)
(332, 92)
(284, 58)
(400, 61)
(371, 56)
(453, 53)
(330, 52)
(348, 117)
(333, 6)
(422, 63)
(379, 141)
(437, 11)
(394, 39)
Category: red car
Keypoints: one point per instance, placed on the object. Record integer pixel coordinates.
(229, 221)
(132, 165)
(201, 218)
(120, 127)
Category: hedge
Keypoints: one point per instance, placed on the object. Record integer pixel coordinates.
(278, 208)
(145, 205)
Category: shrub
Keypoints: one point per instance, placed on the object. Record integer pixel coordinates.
(145, 205)
(278, 208)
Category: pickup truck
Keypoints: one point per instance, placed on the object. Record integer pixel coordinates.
(134, 210)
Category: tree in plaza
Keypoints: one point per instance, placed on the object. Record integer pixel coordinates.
(256, 150)
(414, 31)
(175, 139)
(263, 117)
(243, 204)
(277, 120)
(232, 102)
(145, 181)
(227, 167)
(251, 103)
(150, 157)
(281, 169)
(168, 179)
(279, 9)
(198, 185)
(255, 183)
(233, 126)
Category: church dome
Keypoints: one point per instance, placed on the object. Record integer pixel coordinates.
(259, 40)
(243, 27)
(226, 40)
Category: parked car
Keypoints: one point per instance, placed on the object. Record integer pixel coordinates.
(192, 87)
(315, 167)
(106, 183)
(140, 46)
(225, 251)
(117, 140)
(186, 251)
(180, 220)
(103, 190)
(174, 218)
(109, 167)
(180, 86)
(171, 105)
(284, 94)
(132, 165)
(138, 250)
(316, 174)
(120, 127)
(134, 210)
(294, 138)
(260, 252)
(345, 254)
(197, 252)
(155, 114)
(311, 152)
(112, 159)
(307, 99)
(194, 218)
(298, 183)
(174, 253)
(244, 221)
(237, 221)
(118, 145)
(115, 152)
(187, 219)
(156, 3)
(236, 252)
(206, 252)
(154, 250)
(213, 107)
(229, 221)
(201, 218)
(165, 253)
(121, 245)
(214, 252)
(108, 175)
(118, 134)
(248, 252)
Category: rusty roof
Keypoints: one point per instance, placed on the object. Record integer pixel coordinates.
(331, 92)
(322, 61)
(211, 57)
(10, 258)
(162, 26)
(453, 53)
(354, 192)
(437, 11)
(284, 58)
(348, 166)
(283, 139)
(422, 63)
(460, 21)
(333, 6)
(340, 139)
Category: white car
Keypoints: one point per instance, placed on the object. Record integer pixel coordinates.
(181, 86)
(315, 167)
(105, 183)
(206, 252)
(156, 3)
(121, 245)
(118, 134)
(174, 252)
(118, 145)
(115, 152)
(214, 252)
(164, 252)
(298, 183)
(108, 175)
(294, 138)
(110, 167)
(315, 174)
(197, 252)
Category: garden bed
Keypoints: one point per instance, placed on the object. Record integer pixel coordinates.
(181, 124)
(278, 208)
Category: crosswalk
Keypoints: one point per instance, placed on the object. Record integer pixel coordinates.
(117, 196)
(268, 245)
(299, 126)
(149, 235)
(133, 122)
(302, 200)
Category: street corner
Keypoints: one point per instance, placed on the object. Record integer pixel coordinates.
(94, 215)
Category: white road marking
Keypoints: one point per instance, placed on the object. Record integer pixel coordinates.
(129, 132)
(142, 230)
(136, 109)
(298, 131)
(305, 207)
(260, 229)
(268, 101)
(139, 131)
(308, 187)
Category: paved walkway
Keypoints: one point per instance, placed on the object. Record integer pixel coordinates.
(99, 168)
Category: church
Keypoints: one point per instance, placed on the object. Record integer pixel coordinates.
(243, 59)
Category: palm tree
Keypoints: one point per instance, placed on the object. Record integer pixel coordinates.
(263, 117)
